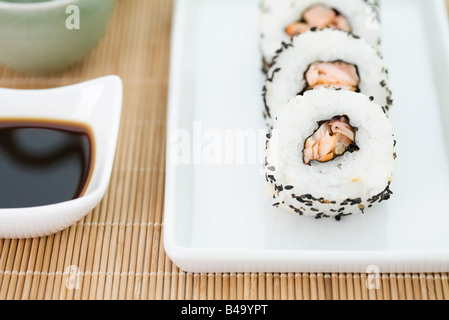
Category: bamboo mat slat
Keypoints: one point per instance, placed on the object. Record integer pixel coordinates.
(117, 251)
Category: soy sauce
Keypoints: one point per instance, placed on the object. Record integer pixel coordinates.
(43, 162)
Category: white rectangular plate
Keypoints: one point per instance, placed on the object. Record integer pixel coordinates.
(217, 218)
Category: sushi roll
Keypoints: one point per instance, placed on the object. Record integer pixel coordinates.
(282, 19)
(330, 154)
(325, 58)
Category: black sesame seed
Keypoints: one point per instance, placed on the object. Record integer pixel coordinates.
(272, 74)
(286, 45)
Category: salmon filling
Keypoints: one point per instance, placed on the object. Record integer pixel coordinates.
(337, 74)
(320, 17)
(332, 139)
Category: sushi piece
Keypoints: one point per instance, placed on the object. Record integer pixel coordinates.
(282, 19)
(330, 154)
(325, 58)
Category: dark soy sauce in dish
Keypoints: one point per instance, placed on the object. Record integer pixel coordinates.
(43, 162)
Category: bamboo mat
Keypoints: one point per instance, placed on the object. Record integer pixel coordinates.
(116, 252)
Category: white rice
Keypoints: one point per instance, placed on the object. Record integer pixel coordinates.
(276, 15)
(348, 184)
(285, 79)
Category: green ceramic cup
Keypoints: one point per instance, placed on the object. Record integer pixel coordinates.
(47, 36)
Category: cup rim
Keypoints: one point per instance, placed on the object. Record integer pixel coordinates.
(24, 6)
